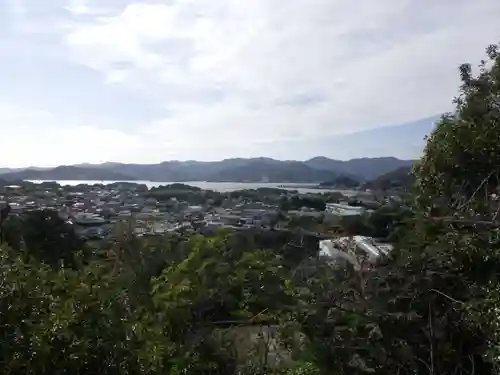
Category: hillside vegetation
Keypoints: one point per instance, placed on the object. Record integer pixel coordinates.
(401, 179)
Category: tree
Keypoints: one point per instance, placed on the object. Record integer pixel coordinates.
(384, 221)
(4, 213)
(221, 280)
(49, 239)
(457, 182)
(219, 285)
(355, 225)
(59, 321)
(12, 233)
(460, 167)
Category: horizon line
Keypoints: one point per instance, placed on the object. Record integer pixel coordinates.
(86, 164)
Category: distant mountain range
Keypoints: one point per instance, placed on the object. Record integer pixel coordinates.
(11, 170)
(65, 173)
(405, 140)
(317, 169)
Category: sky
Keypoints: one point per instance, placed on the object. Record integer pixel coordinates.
(148, 81)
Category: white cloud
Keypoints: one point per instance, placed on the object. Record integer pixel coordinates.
(43, 113)
(38, 137)
(82, 8)
(120, 39)
(375, 63)
(16, 7)
(78, 10)
(115, 76)
(72, 145)
(78, 7)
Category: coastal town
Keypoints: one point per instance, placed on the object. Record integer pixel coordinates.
(96, 211)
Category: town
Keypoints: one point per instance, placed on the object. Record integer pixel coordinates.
(96, 211)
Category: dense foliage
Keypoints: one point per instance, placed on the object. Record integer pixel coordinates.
(43, 235)
(197, 305)
(462, 158)
(296, 202)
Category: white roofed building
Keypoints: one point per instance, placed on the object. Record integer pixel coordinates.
(357, 250)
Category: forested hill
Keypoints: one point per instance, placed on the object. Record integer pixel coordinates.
(232, 170)
(401, 178)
